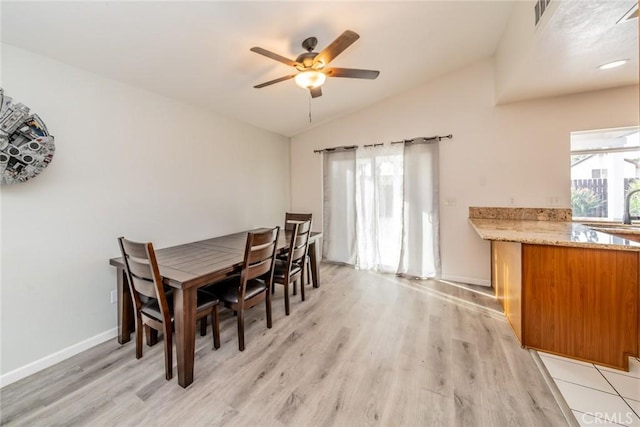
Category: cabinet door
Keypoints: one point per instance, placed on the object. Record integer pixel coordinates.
(581, 302)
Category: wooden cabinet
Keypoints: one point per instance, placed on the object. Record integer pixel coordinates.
(576, 302)
(506, 277)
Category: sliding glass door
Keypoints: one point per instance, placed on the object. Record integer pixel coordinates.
(381, 208)
(379, 191)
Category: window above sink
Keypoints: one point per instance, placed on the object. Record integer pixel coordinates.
(605, 165)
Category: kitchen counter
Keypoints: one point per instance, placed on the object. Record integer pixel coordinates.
(555, 233)
(566, 288)
(614, 227)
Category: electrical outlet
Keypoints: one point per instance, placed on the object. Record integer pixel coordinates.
(450, 201)
(114, 296)
(512, 201)
(553, 201)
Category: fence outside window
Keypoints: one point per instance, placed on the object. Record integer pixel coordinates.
(589, 197)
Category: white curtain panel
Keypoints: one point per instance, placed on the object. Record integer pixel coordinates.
(420, 255)
(381, 209)
(379, 190)
(339, 207)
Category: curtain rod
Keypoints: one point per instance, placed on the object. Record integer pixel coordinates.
(342, 148)
(418, 140)
(424, 139)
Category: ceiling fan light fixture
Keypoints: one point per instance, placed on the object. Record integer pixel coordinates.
(310, 79)
(613, 64)
(310, 66)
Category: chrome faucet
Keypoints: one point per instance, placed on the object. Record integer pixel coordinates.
(626, 218)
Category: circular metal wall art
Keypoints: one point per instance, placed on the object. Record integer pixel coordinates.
(26, 147)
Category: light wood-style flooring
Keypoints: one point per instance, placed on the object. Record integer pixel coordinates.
(364, 349)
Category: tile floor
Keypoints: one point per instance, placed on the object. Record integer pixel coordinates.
(597, 396)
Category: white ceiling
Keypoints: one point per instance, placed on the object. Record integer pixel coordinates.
(572, 40)
(198, 52)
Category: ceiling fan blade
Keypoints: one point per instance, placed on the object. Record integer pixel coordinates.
(336, 47)
(316, 92)
(275, 56)
(270, 82)
(351, 72)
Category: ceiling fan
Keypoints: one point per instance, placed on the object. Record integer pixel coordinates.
(312, 65)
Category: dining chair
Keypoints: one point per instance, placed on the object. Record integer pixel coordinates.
(290, 270)
(251, 286)
(289, 219)
(154, 306)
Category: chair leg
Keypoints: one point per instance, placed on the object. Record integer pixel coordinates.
(139, 328)
(295, 289)
(215, 325)
(241, 330)
(286, 298)
(168, 353)
(203, 326)
(268, 307)
(303, 274)
(301, 288)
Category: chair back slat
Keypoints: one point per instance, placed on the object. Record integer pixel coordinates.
(141, 278)
(261, 252)
(258, 269)
(301, 238)
(298, 254)
(289, 217)
(135, 250)
(260, 238)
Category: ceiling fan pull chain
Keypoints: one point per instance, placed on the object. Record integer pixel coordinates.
(309, 107)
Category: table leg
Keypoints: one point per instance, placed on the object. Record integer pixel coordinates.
(185, 332)
(126, 321)
(315, 274)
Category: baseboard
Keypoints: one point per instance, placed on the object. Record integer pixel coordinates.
(59, 356)
(467, 280)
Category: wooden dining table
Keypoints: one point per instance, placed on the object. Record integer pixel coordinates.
(187, 267)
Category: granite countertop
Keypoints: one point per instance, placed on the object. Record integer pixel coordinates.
(556, 233)
(613, 227)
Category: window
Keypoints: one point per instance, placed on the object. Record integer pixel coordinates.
(380, 208)
(605, 165)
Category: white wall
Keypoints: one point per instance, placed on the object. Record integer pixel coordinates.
(518, 151)
(128, 162)
(516, 44)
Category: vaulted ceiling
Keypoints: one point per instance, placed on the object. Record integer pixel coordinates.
(198, 52)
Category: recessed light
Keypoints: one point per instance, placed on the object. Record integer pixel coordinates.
(613, 64)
